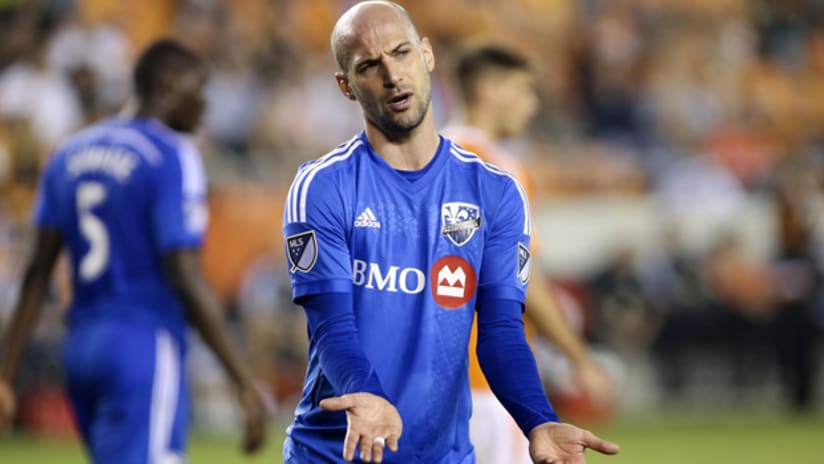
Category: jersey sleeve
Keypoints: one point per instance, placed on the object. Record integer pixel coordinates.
(506, 255)
(46, 212)
(180, 214)
(314, 234)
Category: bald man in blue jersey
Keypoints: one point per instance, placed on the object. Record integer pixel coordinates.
(395, 240)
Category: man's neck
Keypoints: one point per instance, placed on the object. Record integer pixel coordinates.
(147, 110)
(483, 120)
(412, 153)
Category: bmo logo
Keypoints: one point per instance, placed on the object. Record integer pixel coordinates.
(407, 280)
(452, 278)
(453, 282)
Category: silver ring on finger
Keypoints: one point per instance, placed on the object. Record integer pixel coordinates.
(379, 441)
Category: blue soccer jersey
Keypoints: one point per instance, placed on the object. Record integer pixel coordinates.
(416, 256)
(123, 193)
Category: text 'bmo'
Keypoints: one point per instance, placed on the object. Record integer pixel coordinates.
(370, 275)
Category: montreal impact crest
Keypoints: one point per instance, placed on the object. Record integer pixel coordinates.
(460, 221)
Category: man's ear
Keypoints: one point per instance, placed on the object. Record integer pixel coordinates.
(343, 85)
(428, 54)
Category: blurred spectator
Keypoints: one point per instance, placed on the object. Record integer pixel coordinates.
(32, 89)
(624, 316)
(797, 277)
(233, 94)
(97, 57)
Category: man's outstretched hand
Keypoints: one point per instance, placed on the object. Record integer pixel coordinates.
(372, 423)
(558, 443)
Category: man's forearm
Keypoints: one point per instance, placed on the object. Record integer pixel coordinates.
(544, 312)
(204, 312)
(47, 245)
(26, 313)
(332, 325)
(509, 365)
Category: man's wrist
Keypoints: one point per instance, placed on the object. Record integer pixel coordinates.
(539, 420)
(541, 426)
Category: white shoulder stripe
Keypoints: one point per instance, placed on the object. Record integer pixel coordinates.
(332, 160)
(293, 195)
(468, 157)
(487, 164)
(300, 188)
(191, 167)
(121, 135)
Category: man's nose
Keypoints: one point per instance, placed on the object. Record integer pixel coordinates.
(391, 75)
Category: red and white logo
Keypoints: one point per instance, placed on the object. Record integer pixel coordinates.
(453, 282)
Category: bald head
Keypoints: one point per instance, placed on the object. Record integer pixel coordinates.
(359, 20)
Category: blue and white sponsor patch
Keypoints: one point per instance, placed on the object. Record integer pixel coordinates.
(302, 250)
(523, 263)
(460, 221)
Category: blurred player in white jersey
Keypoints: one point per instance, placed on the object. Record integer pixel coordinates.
(497, 87)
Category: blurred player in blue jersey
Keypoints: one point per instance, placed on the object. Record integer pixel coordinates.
(394, 240)
(126, 197)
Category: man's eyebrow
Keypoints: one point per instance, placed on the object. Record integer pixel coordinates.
(360, 61)
(364, 61)
(405, 43)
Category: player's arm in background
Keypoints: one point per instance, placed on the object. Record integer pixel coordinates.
(545, 314)
(204, 312)
(46, 248)
(503, 352)
(47, 245)
(180, 217)
(319, 263)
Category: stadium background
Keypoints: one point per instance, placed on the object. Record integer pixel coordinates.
(679, 166)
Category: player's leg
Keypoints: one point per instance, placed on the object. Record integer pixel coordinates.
(296, 453)
(168, 404)
(135, 414)
(518, 452)
(488, 431)
(80, 384)
(180, 428)
(494, 434)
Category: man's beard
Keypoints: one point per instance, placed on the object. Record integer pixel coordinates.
(398, 131)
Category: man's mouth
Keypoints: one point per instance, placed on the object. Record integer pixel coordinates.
(400, 102)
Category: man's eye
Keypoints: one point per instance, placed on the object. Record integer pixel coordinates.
(366, 66)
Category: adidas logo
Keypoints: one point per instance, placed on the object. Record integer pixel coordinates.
(367, 219)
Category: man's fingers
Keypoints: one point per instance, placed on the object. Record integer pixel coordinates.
(366, 448)
(378, 444)
(600, 445)
(392, 443)
(338, 403)
(392, 440)
(255, 419)
(254, 435)
(349, 444)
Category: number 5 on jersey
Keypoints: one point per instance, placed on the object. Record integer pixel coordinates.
(94, 262)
